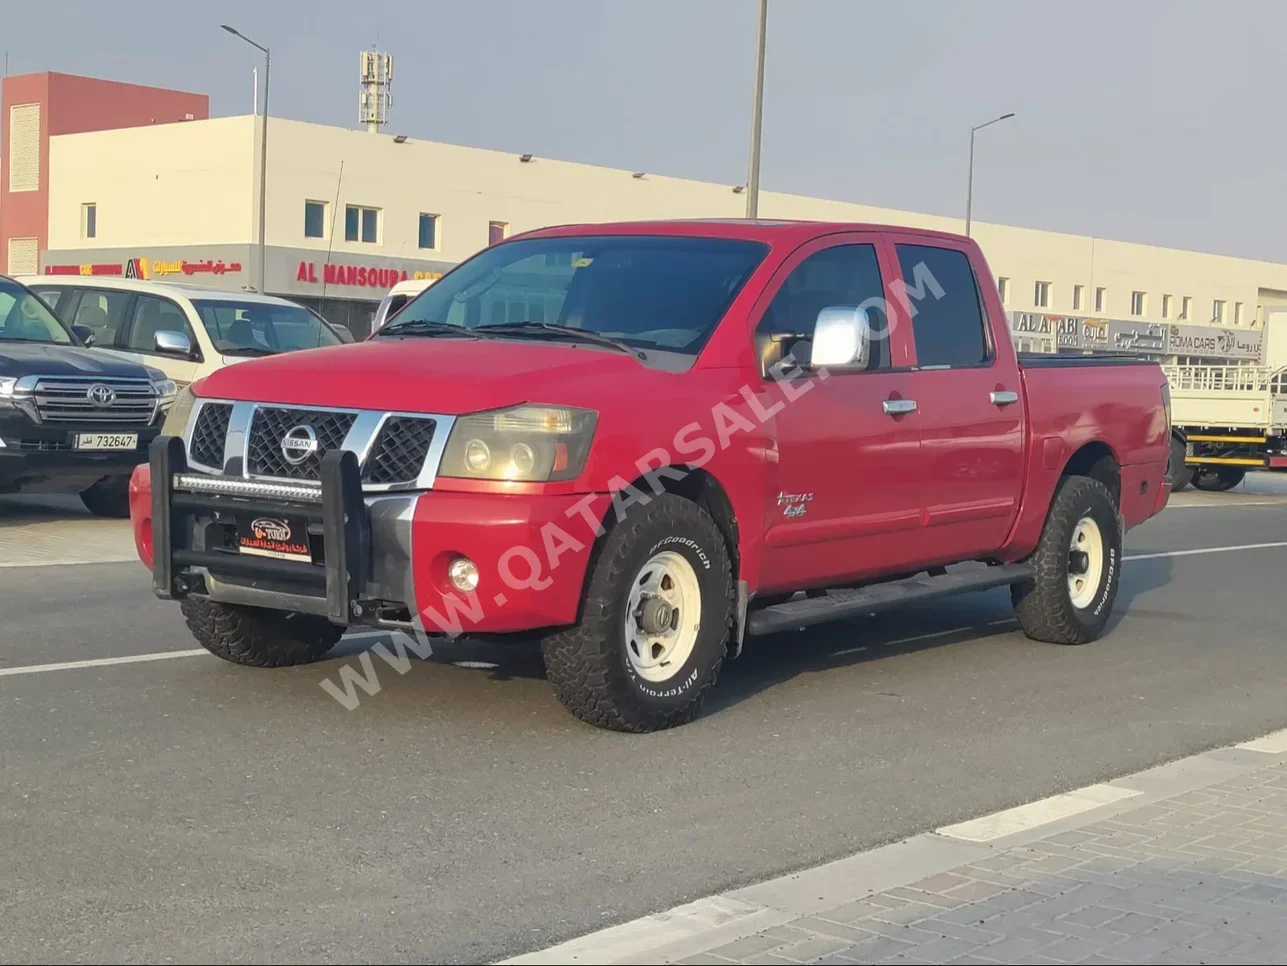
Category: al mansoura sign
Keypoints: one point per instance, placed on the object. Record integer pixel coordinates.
(145, 268)
(358, 275)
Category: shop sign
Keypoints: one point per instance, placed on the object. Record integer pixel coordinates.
(145, 268)
(1204, 340)
(1148, 337)
(357, 275)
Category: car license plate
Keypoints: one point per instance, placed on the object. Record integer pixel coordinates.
(107, 440)
(282, 538)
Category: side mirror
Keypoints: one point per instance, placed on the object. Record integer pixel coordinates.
(172, 343)
(346, 336)
(85, 334)
(841, 338)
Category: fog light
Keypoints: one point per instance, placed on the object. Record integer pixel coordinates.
(464, 574)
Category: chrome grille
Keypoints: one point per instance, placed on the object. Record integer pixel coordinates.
(67, 399)
(209, 433)
(399, 451)
(269, 428)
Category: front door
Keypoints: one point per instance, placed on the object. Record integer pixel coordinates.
(969, 399)
(844, 501)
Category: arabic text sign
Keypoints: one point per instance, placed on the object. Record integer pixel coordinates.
(1211, 342)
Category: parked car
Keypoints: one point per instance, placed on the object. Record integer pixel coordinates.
(72, 419)
(678, 428)
(185, 331)
(399, 296)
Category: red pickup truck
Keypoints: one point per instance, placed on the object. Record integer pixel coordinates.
(645, 443)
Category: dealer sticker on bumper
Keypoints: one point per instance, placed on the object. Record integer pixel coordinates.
(277, 537)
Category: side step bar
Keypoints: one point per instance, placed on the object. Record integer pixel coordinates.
(838, 604)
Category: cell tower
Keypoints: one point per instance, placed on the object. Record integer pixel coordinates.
(375, 99)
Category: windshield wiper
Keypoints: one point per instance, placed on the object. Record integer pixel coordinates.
(248, 350)
(424, 327)
(552, 330)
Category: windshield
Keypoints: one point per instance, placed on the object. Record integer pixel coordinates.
(645, 291)
(24, 318)
(262, 328)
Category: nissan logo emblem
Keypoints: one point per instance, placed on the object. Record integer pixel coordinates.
(299, 443)
(100, 395)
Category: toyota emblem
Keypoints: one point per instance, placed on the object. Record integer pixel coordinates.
(299, 443)
(100, 395)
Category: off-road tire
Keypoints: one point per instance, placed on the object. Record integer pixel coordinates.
(257, 637)
(1177, 471)
(1218, 479)
(587, 663)
(108, 498)
(1044, 604)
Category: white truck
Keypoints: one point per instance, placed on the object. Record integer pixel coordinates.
(1228, 385)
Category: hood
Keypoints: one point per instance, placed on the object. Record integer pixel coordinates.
(45, 359)
(450, 376)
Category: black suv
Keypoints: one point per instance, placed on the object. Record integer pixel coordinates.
(72, 419)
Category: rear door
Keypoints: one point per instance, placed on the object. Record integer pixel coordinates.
(843, 501)
(969, 397)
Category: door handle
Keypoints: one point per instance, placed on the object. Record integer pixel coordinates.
(1004, 397)
(898, 407)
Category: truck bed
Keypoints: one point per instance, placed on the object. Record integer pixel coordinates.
(1229, 397)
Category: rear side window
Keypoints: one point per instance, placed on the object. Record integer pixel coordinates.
(103, 312)
(948, 325)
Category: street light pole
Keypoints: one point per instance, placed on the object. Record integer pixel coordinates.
(757, 114)
(969, 190)
(263, 161)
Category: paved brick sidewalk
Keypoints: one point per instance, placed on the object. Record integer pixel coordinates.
(57, 530)
(1186, 863)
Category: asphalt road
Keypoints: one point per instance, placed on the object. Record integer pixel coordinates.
(187, 810)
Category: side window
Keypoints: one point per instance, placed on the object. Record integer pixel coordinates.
(844, 275)
(103, 312)
(51, 297)
(153, 315)
(948, 326)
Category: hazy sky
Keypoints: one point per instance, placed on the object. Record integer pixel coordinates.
(1150, 121)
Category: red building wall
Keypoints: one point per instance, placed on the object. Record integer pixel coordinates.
(73, 105)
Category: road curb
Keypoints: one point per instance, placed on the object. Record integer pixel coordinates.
(697, 927)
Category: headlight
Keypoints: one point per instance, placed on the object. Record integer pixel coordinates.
(176, 420)
(524, 443)
(163, 385)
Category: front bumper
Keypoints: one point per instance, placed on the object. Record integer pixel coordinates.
(66, 470)
(378, 559)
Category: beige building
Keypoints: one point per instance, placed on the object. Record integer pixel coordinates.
(348, 212)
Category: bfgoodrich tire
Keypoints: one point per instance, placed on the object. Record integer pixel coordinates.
(258, 637)
(108, 498)
(1077, 567)
(655, 621)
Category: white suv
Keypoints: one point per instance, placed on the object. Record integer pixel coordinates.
(185, 331)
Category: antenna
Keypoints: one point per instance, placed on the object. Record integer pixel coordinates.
(375, 99)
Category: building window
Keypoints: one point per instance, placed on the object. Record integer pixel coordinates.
(496, 231)
(1079, 296)
(1237, 313)
(1041, 295)
(1217, 311)
(89, 220)
(362, 224)
(1101, 299)
(315, 219)
(1166, 306)
(1185, 302)
(1138, 302)
(24, 256)
(428, 231)
(1003, 290)
(24, 147)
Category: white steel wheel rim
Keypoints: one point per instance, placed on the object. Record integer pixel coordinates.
(1085, 573)
(663, 616)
